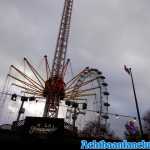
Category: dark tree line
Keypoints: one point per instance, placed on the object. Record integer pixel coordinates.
(96, 129)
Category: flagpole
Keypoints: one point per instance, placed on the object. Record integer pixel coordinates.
(136, 103)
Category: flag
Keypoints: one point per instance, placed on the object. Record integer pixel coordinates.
(128, 70)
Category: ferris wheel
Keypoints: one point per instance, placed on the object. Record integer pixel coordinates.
(87, 98)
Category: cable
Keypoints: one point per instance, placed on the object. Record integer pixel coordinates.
(72, 74)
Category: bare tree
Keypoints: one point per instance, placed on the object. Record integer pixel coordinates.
(95, 128)
(146, 124)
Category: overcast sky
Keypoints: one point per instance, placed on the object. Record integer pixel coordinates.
(105, 34)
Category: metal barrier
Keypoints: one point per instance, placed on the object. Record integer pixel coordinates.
(18, 124)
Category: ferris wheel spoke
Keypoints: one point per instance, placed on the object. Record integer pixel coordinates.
(75, 78)
(89, 94)
(78, 96)
(65, 68)
(71, 84)
(35, 72)
(70, 90)
(23, 82)
(48, 72)
(90, 89)
(81, 91)
(80, 83)
(26, 76)
(87, 82)
(28, 89)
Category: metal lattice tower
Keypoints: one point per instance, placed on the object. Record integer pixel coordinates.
(56, 79)
(62, 41)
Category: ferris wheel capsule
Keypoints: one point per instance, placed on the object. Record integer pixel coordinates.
(102, 77)
(106, 93)
(104, 84)
(106, 104)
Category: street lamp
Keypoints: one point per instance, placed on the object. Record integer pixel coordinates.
(128, 70)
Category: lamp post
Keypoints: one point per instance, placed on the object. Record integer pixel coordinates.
(128, 70)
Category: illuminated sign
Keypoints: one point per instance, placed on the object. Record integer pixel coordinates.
(43, 127)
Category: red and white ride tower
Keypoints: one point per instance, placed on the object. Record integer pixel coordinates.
(55, 87)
